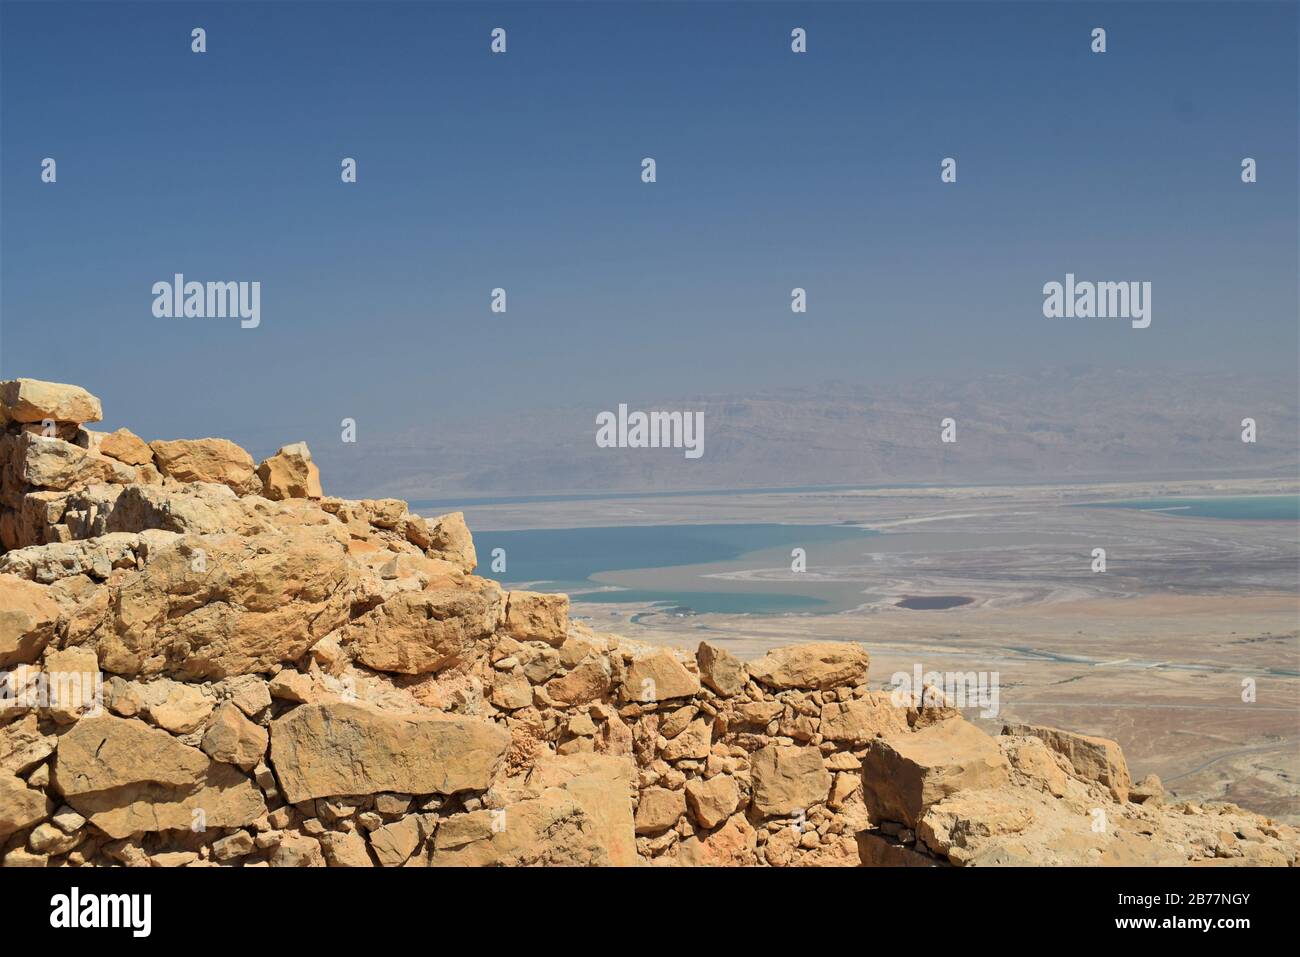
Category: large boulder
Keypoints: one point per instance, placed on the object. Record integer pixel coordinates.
(720, 670)
(536, 616)
(28, 618)
(602, 784)
(125, 446)
(658, 676)
(207, 460)
(47, 462)
(854, 723)
(290, 473)
(788, 780)
(215, 606)
(426, 631)
(126, 777)
(1093, 759)
(341, 748)
(31, 400)
(20, 806)
(907, 772)
(818, 665)
(449, 539)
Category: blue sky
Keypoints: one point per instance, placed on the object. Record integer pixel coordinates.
(522, 171)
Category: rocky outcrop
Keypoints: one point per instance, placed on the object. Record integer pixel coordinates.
(203, 663)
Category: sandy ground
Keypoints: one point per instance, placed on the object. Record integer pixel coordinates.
(1186, 649)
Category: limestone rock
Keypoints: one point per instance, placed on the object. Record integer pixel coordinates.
(125, 446)
(32, 400)
(659, 810)
(234, 739)
(534, 616)
(602, 785)
(659, 676)
(321, 750)
(858, 721)
(213, 606)
(206, 460)
(788, 780)
(20, 806)
(818, 665)
(905, 773)
(1093, 759)
(28, 617)
(25, 743)
(427, 631)
(290, 473)
(450, 540)
(712, 801)
(553, 829)
(720, 670)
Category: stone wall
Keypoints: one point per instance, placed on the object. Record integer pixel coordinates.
(207, 662)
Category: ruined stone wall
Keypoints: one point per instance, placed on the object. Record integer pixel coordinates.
(207, 662)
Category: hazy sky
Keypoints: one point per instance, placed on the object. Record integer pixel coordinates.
(523, 171)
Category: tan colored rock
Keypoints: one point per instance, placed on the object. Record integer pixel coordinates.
(450, 540)
(1037, 762)
(966, 819)
(126, 777)
(75, 684)
(34, 400)
(125, 446)
(659, 809)
(817, 665)
(587, 682)
(176, 707)
(535, 616)
(712, 801)
(234, 739)
(345, 849)
(905, 773)
(106, 752)
(721, 670)
(207, 460)
(393, 844)
(1149, 790)
(602, 785)
(553, 829)
(788, 780)
(510, 692)
(856, 722)
(297, 850)
(214, 606)
(290, 473)
(20, 806)
(731, 845)
(427, 631)
(692, 744)
(659, 676)
(1093, 759)
(25, 743)
(44, 462)
(322, 750)
(28, 617)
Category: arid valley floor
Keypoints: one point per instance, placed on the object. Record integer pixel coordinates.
(1155, 652)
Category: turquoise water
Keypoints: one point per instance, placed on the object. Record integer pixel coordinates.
(1239, 507)
(565, 559)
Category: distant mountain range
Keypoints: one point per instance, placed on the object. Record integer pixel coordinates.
(1055, 425)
